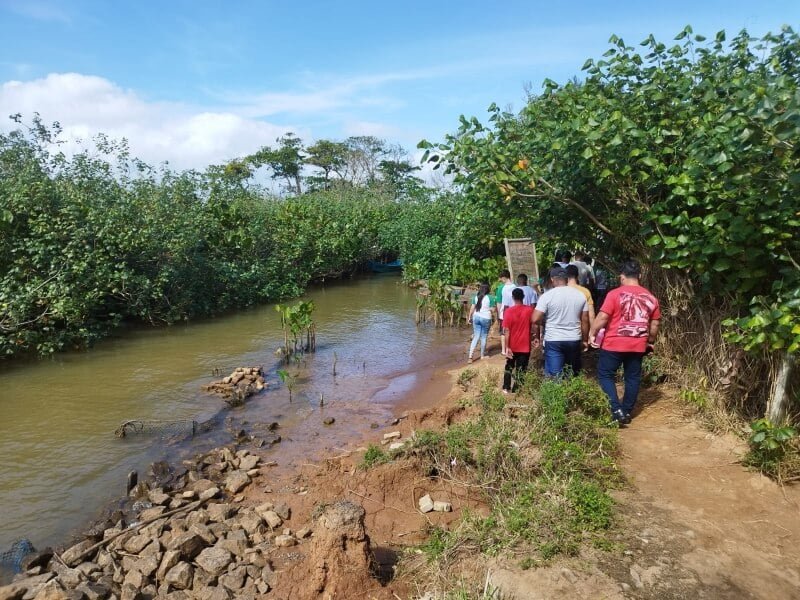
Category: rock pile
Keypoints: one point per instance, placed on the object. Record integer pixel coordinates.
(242, 383)
(190, 541)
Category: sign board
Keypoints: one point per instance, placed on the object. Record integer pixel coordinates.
(521, 258)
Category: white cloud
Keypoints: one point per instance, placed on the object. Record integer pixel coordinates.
(185, 136)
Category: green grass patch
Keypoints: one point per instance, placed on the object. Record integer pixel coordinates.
(545, 468)
(374, 456)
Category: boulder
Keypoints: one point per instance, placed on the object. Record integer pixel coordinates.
(220, 512)
(214, 560)
(188, 544)
(73, 554)
(158, 498)
(442, 506)
(284, 512)
(14, 591)
(169, 560)
(208, 494)
(152, 513)
(52, 590)
(248, 462)
(180, 576)
(93, 590)
(234, 579)
(236, 480)
(284, 541)
(251, 522)
(136, 543)
(272, 518)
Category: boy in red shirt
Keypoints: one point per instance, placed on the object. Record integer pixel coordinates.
(517, 328)
(631, 316)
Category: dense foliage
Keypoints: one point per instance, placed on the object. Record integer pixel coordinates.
(98, 239)
(686, 156)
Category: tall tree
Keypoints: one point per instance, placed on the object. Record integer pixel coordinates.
(286, 161)
(329, 156)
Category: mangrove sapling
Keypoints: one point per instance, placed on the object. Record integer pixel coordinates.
(297, 323)
(289, 379)
(335, 360)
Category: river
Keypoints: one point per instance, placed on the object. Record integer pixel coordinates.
(60, 461)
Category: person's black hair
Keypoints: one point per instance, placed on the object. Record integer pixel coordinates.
(522, 279)
(505, 273)
(631, 268)
(581, 254)
(483, 289)
(560, 254)
(572, 271)
(518, 294)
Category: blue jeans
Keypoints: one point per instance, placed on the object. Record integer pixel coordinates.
(607, 365)
(558, 355)
(480, 329)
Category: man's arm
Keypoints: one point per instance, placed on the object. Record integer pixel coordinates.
(655, 324)
(600, 321)
(585, 328)
(536, 327)
(506, 335)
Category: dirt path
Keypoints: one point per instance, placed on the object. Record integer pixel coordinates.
(694, 523)
(740, 531)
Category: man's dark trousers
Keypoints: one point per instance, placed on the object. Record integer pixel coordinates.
(515, 366)
(607, 365)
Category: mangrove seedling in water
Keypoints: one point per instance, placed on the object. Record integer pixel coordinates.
(297, 323)
(289, 379)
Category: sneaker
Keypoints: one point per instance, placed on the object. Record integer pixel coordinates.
(627, 418)
(618, 417)
(506, 391)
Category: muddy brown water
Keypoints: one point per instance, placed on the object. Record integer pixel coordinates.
(60, 462)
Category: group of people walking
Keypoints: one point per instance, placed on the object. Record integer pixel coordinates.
(558, 314)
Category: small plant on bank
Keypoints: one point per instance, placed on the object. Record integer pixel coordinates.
(697, 398)
(465, 377)
(374, 456)
(773, 450)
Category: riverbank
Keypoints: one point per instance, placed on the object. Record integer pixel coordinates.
(670, 536)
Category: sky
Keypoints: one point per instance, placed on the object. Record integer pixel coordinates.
(200, 82)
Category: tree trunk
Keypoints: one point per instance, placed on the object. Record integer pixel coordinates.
(297, 183)
(778, 402)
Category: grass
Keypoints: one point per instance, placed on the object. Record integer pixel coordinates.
(545, 467)
(374, 456)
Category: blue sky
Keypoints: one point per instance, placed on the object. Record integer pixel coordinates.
(198, 82)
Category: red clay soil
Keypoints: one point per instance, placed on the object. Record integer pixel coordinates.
(693, 522)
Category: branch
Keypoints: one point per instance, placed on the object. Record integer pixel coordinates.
(570, 202)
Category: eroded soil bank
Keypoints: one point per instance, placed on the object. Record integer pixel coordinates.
(692, 523)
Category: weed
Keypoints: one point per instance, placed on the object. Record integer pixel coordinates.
(465, 377)
(696, 398)
(773, 450)
(374, 456)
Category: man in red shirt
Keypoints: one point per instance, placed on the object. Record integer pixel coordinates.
(517, 327)
(630, 316)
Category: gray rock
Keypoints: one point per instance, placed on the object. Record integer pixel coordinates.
(236, 547)
(205, 533)
(272, 518)
(426, 504)
(234, 579)
(158, 498)
(152, 549)
(236, 480)
(248, 462)
(128, 592)
(262, 586)
(71, 554)
(251, 522)
(152, 513)
(214, 560)
(69, 577)
(283, 541)
(199, 516)
(284, 512)
(136, 544)
(200, 485)
(52, 590)
(188, 544)
(303, 533)
(180, 576)
(212, 593)
(209, 493)
(14, 591)
(135, 579)
(88, 568)
(220, 512)
(328, 421)
(94, 591)
(146, 565)
(169, 560)
(442, 506)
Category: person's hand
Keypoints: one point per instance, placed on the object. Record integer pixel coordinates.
(509, 353)
(536, 342)
(649, 349)
(585, 346)
(593, 341)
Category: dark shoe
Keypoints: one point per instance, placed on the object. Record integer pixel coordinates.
(627, 418)
(618, 417)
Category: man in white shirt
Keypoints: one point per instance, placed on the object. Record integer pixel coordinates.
(585, 271)
(566, 314)
(531, 296)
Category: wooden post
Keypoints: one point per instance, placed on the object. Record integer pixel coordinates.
(777, 407)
